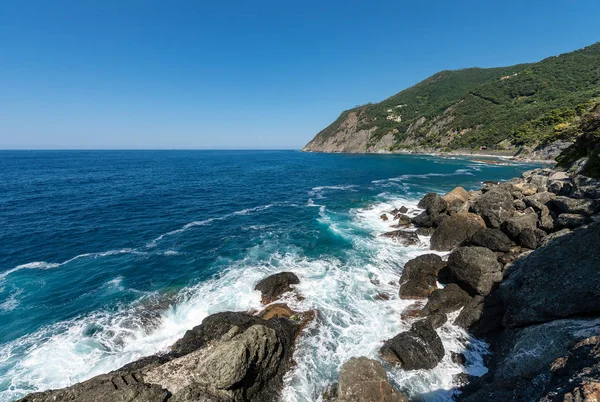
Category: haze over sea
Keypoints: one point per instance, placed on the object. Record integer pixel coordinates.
(107, 256)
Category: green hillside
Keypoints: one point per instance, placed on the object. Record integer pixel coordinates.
(498, 108)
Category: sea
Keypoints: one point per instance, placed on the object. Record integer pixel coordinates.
(108, 256)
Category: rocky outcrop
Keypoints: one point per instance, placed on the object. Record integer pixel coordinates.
(557, 281)
(404, 237)
(272, 287)
(419, 276)
(365, 380)
(456, 229)
(418, 348)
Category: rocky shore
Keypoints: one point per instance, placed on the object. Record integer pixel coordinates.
(514, 263)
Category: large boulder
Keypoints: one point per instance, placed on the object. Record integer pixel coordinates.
(365, 380)
(576, 206)
(495, 206)
(513, 226)
(476, 267)
(494, 239)
(442, 301)
(454, 230)
(456, 198)
(559, 280)
(272, 287)
(419, 276)
(416, 349)
(433, 204)
(571, 221)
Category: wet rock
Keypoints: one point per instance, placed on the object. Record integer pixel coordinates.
(557, 281)
(272, 287)
(437, 320)
(513, 226)
(477, 267)
(403, 237)
(403, 220)
(571, 221)
(576, 206)
(454, 230)
(424, 220)
(425, 231)
(528, 239)
(494, 239)
(418, 348)
(471, 313)
(433, 204)
(384, 217)
(365, 380)
(442, 301)
(494, 206)
(458, 358)
(419, 276)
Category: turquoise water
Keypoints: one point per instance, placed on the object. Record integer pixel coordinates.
(107, 256)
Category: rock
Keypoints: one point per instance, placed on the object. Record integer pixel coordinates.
(553, 236)
(424, 220)
(561, 187)
(403, 237)
(571, 221)
(272, 287)
(513, 226)
(576, 206)
(546, 222)
(576, 376)
(401, 210)
(539, 181)
(384, 217)
(477, 267)
(586, 187)
(365, 380)
(437, 320)
(456, 198)
(557, 281)
(559, 176)
(458, 358)
(450, 298)
(471, 313)
(525, 352)
(462, 379)
(425, 231)
(495, 206)
(519, 205)
(528, 239)
(416, 349)
(527, 189)
(536, 201)
(403, 220)
(419, 276)
(433, 204)
(494, 239)
(454, 230)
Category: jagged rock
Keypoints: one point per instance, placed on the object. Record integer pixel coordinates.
(454, 230)
(458, 358)
(557, 281)
(437, 320)
(450, 298)
(528, 239)
(384, 217)
(553, 236)
(419, 276)
(272, 287)
(561, 187)
(418, 348)
(456, 198)
(571, 221)
(471, 313)
(586, 187)
(425, 231)
(403, 220)
(403, 237)
(576, 206)
(365, 380)
(527, 189)
(494, 206)
(424, 220)
(536, 201)
(494, 239)
(519, 205)
(433, 204)
(477, 267)
(513, 226)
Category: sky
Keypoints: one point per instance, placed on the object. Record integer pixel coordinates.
(133, 74)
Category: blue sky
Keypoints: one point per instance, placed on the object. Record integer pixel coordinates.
(245, 74)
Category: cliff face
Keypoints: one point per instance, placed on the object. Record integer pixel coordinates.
(522, 107)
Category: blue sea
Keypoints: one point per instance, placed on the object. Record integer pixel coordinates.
(108, 256)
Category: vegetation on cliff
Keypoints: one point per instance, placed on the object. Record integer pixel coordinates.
(497, 108)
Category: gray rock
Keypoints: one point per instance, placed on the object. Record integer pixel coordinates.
(433, 203)
(477, 267)
(586, 187)
(513, 226)
(494, 239)
(561, 187)
(571, 221)
(576, 206)
(365, 380)
(559, 280)
(272, 287)
(454, 230)
(495, 206)
(403, 237)
(419, 276)
(442, 301)
(546, 240)
(519, 205)
(528, 239)
(416, 349)
(456, 199)
(537, 200)
(471, 313)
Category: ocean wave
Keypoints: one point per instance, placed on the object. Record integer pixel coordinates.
(318, 192)
(457, 172)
